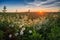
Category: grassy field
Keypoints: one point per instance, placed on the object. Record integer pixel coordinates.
(29, 26)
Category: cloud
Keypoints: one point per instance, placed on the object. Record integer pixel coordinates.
(48, 3)
(39, 2)
(44, 3)
(57, 4)
(57, 0)
(52, 4)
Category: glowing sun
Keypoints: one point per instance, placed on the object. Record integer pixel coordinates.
(42, 13)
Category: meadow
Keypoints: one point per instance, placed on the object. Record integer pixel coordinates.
(29, 26)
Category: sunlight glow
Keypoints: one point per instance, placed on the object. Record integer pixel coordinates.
(41, 13)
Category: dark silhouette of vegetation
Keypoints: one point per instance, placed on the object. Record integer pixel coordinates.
(4, 9)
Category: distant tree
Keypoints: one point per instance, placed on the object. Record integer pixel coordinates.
(4, 9)
(16, 11)
(29, 10)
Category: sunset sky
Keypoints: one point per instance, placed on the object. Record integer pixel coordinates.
(33, 5)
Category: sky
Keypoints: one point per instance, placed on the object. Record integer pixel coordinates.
(33, 5)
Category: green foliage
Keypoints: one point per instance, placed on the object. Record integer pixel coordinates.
(47, 31)
(1, 35)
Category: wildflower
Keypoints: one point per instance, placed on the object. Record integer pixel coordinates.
(11, 25)
(21, 33)
(23, 29)
(30, 31)
(16, 34)
(10, 35)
